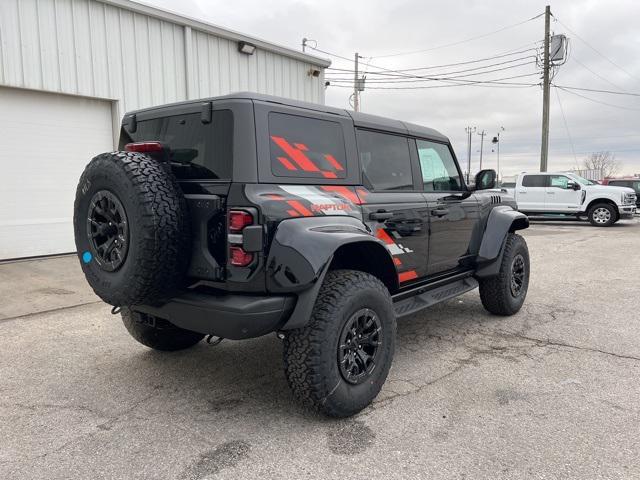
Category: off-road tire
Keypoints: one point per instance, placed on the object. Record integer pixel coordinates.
(158, 229)
(496, 292)
(311, 353)
(157, 333)
(592, 214)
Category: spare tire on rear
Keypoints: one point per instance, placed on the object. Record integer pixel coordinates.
(131, 228)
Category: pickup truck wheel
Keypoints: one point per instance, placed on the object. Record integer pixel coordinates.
(602, 215)
(338, 363)
(158, 333)
(132, 229)
(504, 294)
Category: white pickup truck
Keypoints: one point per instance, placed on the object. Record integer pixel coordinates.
(570, 194)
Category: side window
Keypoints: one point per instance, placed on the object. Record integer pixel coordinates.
(306, 147)
(534, 181)
(559, 181)
(439, 170)
(385, 161)
(636, 186)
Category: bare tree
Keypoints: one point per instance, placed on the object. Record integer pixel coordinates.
(605, 162)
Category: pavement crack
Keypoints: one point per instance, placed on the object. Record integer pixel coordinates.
(555, 343)
(51, 310)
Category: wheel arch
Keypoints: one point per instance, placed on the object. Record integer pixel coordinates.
(502, 220)
(305, 249)
(608, 201)
(369, 257)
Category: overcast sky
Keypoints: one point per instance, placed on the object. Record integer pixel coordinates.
(377, 28)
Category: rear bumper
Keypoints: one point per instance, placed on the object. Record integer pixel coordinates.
(233, 316)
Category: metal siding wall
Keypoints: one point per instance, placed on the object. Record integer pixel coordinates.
(85, 47)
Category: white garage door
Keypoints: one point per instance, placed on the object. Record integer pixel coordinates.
(45, 142)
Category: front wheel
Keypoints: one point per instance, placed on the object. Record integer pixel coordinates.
(338, 363)
(505, 293)
(603, 215)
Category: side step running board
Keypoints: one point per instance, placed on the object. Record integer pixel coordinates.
(416, 303)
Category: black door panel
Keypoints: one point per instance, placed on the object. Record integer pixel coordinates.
(401, 221)
(452, 219)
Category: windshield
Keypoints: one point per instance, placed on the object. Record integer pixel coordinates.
(580, 180)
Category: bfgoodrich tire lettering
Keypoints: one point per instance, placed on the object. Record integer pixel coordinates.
(311, 354)
(157, 229)
(505, 293)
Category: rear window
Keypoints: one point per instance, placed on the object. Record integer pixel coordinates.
(306, 147)
(198, 150)
(385, 161)
(534, 181)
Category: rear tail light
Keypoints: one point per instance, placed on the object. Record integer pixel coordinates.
(144, 147)
(238, 219)
(238, 257)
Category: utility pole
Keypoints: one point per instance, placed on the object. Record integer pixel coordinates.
(496, 142)
(469, 131)
(355, 84)
(304, 43)
(482, 134)
(544, 150)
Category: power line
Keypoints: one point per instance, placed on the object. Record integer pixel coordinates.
(598, 91)
(431, 75)
(595, 73)
(479, 60)
(460, 42)
(595, 50)
(566, 126)
(459, 83)
(596, 101)
(434, 79)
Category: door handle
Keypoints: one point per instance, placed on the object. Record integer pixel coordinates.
(551, 193)
(439, 212)
(380, 215)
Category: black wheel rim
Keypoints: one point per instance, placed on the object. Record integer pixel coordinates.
(517, 275)
(108, 230)
(359, 346)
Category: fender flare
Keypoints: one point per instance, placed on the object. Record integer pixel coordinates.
(502, 220)
(301, 253)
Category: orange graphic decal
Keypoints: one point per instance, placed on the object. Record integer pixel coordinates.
(301, 209)
(344, 192)
(287, 164)
(406, 276)
(297, 155)
(334, 163)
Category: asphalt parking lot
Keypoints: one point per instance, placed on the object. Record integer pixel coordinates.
(552, 392)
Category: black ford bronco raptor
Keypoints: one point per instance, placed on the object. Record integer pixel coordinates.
(247, 214)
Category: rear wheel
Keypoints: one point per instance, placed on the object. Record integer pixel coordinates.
(505, 293)
(602, 215)
(158, 333)
(338, 363)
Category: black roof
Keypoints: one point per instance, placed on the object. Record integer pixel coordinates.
(359, 119)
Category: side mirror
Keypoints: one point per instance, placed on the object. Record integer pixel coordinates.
(485, 179)
(573, 185)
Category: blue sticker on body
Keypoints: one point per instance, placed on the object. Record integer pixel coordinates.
(86, 257)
